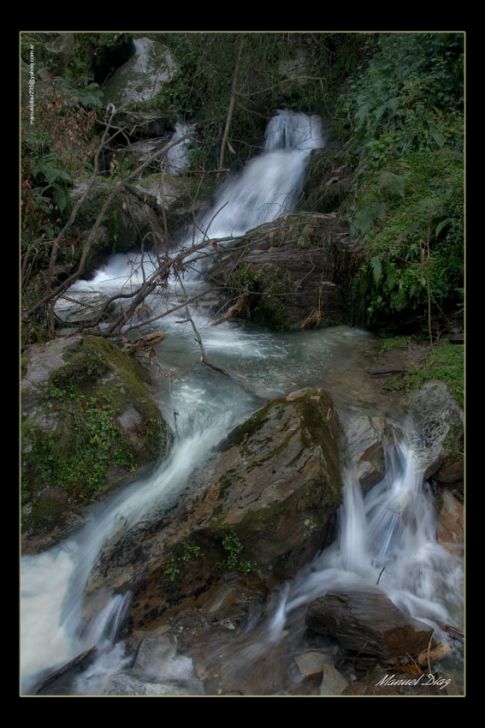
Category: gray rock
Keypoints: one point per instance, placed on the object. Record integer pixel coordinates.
(153, 654)
(311, 663)
(59, 378)
(333, 682)
(80, 306)
(42, 359)
(142, 76)
(438, 426)
(128, 684)
(364, 436)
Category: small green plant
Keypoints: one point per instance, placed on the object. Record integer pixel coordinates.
(190, 551)
(187, 551)
(392, 343)
(172, 571)
(233, 561)
(444, 362)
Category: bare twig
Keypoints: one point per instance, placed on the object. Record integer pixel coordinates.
(198, 338)
(232, 102)
(93, 232)
(381, 573)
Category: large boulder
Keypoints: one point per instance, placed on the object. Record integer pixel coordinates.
(438, 432)
(89, 424)
(368, 622)
(295, 272)
(141, 78)
(327, 183)
(258, 511)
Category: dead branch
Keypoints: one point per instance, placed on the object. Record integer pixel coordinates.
(93, 232)
(240, 305)
(379, 372)
(232, 102)
(198, 338)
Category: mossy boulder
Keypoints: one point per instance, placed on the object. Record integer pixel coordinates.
(327, 183)
(295, 272)
(89, 425)
(259, 510)
(140, 79)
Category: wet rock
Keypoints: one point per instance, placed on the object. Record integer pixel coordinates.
(311, 663)
(76, 394)
(369, 623)
(257, 511)
(132, 217)
(81, 307)
(128, 684)
(364, 437)
(59, 682)
(333, 683)
(296, 271)
(451, 524)
(157, 670)
(438, 420)
(142, 76)
(451, 472)
(153, 653)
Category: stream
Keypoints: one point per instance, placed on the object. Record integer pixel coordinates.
(389, 531)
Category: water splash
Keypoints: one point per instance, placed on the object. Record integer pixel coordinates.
(387, 537)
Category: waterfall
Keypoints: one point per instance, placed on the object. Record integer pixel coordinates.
(390, 533)
(267, 188)
(269, 185)
(387, 537)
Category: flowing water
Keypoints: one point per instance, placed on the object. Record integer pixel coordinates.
(391, 533)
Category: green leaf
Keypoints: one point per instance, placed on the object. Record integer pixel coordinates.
(365, 219)
(393, 182)
(376, 265)
(442, 225)
(61, 198)
(437, 136)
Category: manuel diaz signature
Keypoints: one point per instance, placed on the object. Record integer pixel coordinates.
(422, 680)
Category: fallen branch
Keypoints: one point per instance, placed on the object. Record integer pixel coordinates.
(240, 305)
(198, 338)
(92, 234)
(379, 372)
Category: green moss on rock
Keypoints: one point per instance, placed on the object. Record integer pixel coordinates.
(93, 428)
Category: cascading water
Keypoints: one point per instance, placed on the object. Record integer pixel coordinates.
(269, 185)
(389, 537)
(394, 526)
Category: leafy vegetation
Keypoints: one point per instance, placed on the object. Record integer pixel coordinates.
(186, 552)
(444, 362)
(292, 70)
(233, 561)
(72, 440)
(406, 110)
(392, 342)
